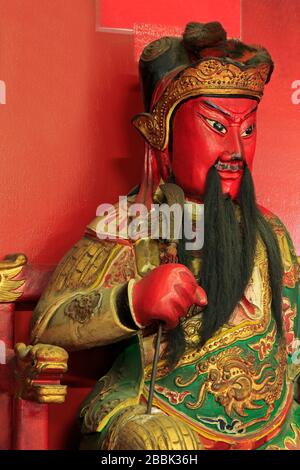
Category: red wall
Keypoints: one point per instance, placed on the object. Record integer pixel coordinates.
(275, 24)
(125, 13)
(66, 140)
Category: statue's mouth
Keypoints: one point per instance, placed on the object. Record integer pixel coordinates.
(229, 166)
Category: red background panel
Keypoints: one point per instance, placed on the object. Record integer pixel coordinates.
(125, 13)
(66, 140)
(275, 24)
(66, 143)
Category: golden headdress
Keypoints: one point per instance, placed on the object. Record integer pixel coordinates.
(203, 62)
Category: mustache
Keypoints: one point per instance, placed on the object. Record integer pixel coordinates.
(236, 163)
(230, 166)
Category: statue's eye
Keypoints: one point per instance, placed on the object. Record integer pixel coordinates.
(248, 131)
(216, 125)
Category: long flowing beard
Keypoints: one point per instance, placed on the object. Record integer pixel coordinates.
(230, 235)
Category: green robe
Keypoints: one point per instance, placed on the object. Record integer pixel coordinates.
(235, 392)
(238, 390)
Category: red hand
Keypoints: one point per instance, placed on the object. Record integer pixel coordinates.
(166, 294)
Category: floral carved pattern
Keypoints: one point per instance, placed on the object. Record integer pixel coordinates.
(237, 382)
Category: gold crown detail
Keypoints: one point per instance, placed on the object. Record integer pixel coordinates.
(208, 77)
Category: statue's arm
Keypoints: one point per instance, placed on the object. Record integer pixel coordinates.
(291, 276)
(290, 297)
(291, 286)
(86, 302)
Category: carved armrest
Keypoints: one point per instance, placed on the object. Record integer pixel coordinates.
(38, 372)
(10, 284)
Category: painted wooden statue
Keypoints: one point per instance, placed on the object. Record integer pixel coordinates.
(228, 364)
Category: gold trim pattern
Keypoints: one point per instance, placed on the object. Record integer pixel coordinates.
(264, 346)
(133, 429)
(82, 266)
(216, 436)
(147, 255)
(83, 307)
(119, 406)
(38, 372)
(11, 267)
(289, 443)
(85, 268)
(236, 382)
(210, 76)
(227, 335)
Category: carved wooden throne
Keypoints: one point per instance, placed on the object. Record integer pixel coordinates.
(41, 387)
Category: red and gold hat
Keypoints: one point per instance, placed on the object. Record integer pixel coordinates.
(202, 62)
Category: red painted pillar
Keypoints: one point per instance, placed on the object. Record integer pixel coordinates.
(30, 424)
(24, 424)
(6, 338)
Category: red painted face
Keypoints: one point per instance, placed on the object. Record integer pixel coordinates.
(213, 131)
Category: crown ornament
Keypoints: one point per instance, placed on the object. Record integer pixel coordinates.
(211, 76)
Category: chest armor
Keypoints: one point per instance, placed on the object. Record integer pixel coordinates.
(236, 383)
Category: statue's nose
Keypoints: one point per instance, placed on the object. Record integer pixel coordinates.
(231, 157)
(233, 147)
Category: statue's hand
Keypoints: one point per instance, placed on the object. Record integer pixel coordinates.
(166, 294)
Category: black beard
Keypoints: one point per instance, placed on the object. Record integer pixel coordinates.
(228, 258)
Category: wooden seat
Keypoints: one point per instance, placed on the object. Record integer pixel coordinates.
(39, 392)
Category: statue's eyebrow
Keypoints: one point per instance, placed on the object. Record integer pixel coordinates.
(209, 104)
(252, 111)
(214, 106)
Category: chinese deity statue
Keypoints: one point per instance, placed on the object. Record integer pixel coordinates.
(227, 364)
